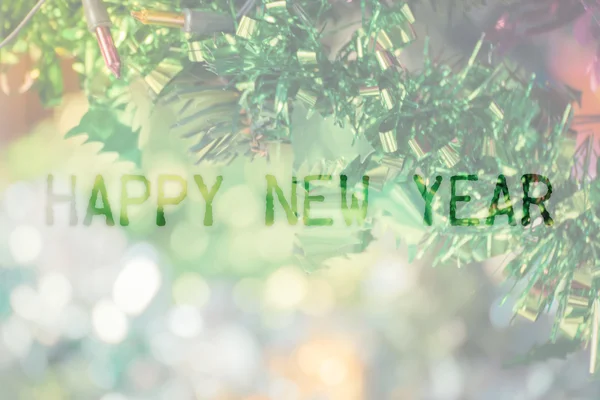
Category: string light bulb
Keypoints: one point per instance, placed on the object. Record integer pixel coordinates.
(189, 21)
(99, 22)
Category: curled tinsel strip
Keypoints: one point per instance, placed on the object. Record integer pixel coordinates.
(277, 56)
(561, 267)
(539, 137)
(276, 59)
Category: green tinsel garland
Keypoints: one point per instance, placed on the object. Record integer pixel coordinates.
(441, 119)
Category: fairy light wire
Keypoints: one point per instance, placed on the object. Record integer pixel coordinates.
(12, 36)
(22, 24)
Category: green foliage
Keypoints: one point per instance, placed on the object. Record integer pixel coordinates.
(100, 124)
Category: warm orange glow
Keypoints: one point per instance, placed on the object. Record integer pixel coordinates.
(568, 63)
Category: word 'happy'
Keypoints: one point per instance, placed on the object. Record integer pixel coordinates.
(353, 209)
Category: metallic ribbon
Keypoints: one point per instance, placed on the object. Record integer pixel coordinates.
(247, 27)
(162, 75)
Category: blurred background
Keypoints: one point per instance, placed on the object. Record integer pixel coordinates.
(225, 312)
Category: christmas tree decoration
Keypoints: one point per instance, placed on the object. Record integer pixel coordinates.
(190, 21)
(542, 140)
(142, 47)
(235, 80)
(99, 22)
(560, 268)
(433, 120)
